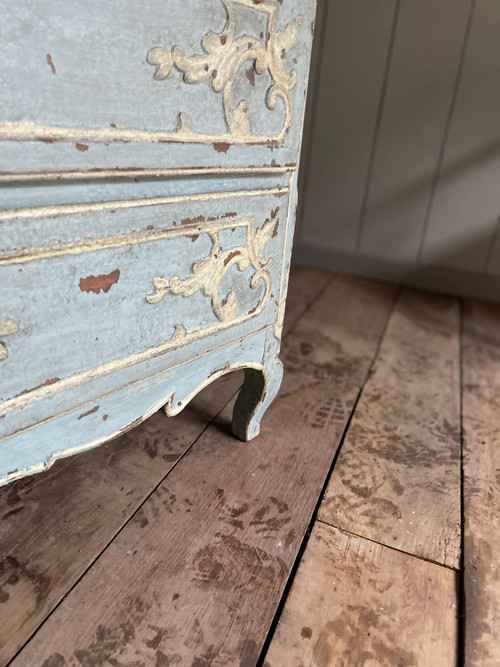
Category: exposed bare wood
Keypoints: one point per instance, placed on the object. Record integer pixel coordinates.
(196, 576)
(54, 524)
(356, 603)
(397, 480)
(481, 422)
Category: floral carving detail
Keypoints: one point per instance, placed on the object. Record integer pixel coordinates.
(225, 55)
(209, 272)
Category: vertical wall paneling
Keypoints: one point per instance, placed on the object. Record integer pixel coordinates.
(401, 165)
(376, 132)
(466, 208)
(353, 61)
(423, 71)
(311, 113)
(493, 262)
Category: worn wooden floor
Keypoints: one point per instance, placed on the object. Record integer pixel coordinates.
(361, 528)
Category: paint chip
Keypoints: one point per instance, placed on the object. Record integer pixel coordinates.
(251, 75)
(97, 283)
(89, 412)
(50, 63)
(221, 146)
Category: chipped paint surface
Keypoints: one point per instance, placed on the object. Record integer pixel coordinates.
(156, 392)
(143, 286)
(209, 273)
(259, 242)
(103, 282)
(242, 242)
(89, 412)
(48, 59)
(225, 55)
(149, 112)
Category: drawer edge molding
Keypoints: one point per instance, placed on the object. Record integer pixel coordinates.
(181, 337)
(97, 173)
(37, 212)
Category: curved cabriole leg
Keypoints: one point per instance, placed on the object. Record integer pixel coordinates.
(256, 395)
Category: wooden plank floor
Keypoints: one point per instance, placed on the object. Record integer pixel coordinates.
(56, 524)
(356, 602)
(332, 539)
(481, 416)
(397, 480)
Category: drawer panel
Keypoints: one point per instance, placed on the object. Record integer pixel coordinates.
(92, 85)
(96, 296)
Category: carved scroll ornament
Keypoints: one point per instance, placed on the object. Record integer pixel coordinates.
(225, 55)
(208, 274)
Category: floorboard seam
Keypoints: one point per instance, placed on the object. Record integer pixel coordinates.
(311, 304)
(461, 608)
(115, 535)
(391, 547)
(307, 533)
(162, 480)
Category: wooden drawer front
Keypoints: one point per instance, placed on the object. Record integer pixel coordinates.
(88, 84)
(98, 295)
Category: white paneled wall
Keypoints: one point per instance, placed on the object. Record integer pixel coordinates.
(466, 207)
(401, 165)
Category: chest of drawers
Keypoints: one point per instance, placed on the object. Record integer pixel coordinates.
(148, 162)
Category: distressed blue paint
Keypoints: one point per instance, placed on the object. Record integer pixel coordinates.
(91, 354)
(69, 433)
(99, 51)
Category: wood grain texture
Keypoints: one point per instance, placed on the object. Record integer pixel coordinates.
(481, 423)
(355, 603)
(197, 574)
(397, 480)
(54, 524)
(423, 70)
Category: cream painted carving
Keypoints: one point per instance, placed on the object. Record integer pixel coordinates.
(225, 55)
(7, 328)
(223, 59)
(208, 273)
(257, 241)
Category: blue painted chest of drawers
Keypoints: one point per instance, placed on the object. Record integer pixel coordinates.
(148, 162)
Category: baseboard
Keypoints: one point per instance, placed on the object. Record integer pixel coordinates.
(423, 276)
